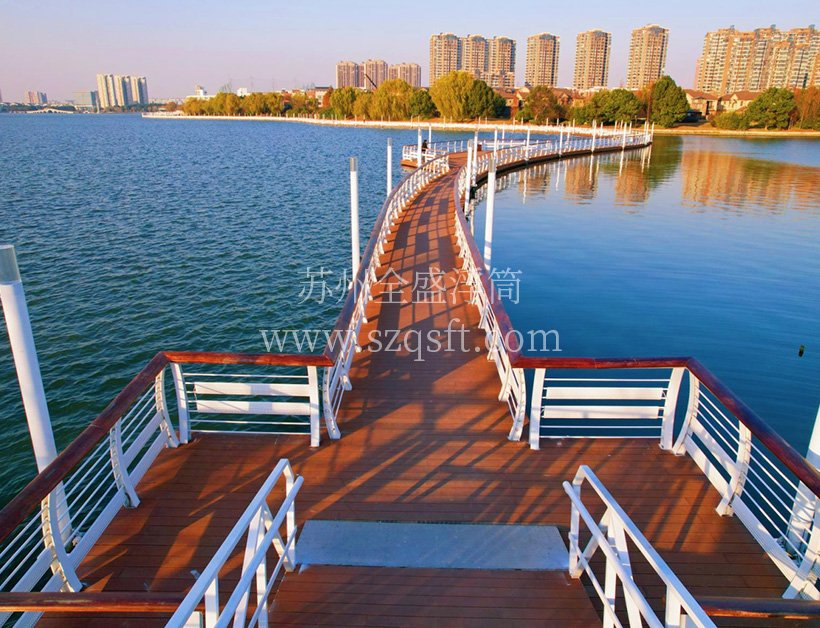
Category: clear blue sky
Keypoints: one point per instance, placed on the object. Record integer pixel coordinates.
(58, 47)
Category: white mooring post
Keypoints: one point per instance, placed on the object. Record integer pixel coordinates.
(354, 217)
(528, 140)
(389, 165)
(469, 175)
(488, 219)
(419, 161)
(21, 340)
(495, 143)
(593, 137)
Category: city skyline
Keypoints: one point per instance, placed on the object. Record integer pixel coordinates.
(261, 47)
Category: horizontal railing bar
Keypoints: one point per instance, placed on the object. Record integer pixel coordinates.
(760, 607)
(102, 602)
(534, 362)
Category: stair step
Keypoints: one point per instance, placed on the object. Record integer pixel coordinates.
(431, 545)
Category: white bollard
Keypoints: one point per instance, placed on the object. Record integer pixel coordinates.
(495, 143)
(26, 363)
(354, 217)
(488, 219)
(469, 175)
(389, 165)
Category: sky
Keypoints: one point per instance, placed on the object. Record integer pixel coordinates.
(59, 47)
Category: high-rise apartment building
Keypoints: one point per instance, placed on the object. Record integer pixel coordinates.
(647, 56)
(407, 72)
(347, 74)
(735, 60)
(542, 60)
(491, 60)
(36, 98)
(116, 90)
(372, 73)
(445, 55)
(86, 100)
(592, 50)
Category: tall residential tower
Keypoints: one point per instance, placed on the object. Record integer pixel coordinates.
(647, 56)
(735, 60)
(542, 60)
(491, 60)
(592, 50)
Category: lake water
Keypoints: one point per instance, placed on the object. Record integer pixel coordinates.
(136, 235)
(704, 246)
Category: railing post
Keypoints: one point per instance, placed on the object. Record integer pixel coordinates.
(673, 616)
(535, 407)
(805, 503)
(315, 427)
(679, 448)
(418, 156)
(739, 473)
(389, 165)
(354, 218)
(54, 540)
(121, 476)
(488, 220)
(182, 403)
(161, 404)
(810, 559)
(669, 407)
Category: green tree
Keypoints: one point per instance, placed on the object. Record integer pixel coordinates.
(363, 106)
(232, 105)
(772, 109)
(450, 94)
(482, 101)
(421, 105)
(730, 120)
(541, 105)
(391, 100)
(216, 105)
(193, 107)
(668, 103)
(617, 105)
(273, 103)
(342, 101)
(171, 106)
(807, 102)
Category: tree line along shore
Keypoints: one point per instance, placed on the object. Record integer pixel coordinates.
(461, 97)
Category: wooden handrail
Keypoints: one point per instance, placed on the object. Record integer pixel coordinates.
(536, 362)
(15, 512)
(760, 607)
(774, 442)
(87, 602)
(263, 359)
(49, 478)
(505, 327)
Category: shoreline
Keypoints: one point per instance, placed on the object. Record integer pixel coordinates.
(511, 126)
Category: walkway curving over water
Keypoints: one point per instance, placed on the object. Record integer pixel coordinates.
(424, 440)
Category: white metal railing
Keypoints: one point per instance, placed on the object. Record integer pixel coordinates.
(513, 386)
(56, 537)
(614, 534)
(337, 377)
(620, 404)
(256, 401)
(262, 531)
(754, 484)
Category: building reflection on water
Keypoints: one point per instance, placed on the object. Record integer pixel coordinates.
(716, 179)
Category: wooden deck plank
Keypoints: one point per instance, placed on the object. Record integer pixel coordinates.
(422, 441)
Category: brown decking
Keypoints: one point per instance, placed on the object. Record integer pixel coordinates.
(421, 441)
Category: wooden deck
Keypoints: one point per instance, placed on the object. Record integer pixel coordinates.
(422, 441)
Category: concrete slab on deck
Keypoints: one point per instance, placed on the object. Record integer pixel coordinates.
(431, 545)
